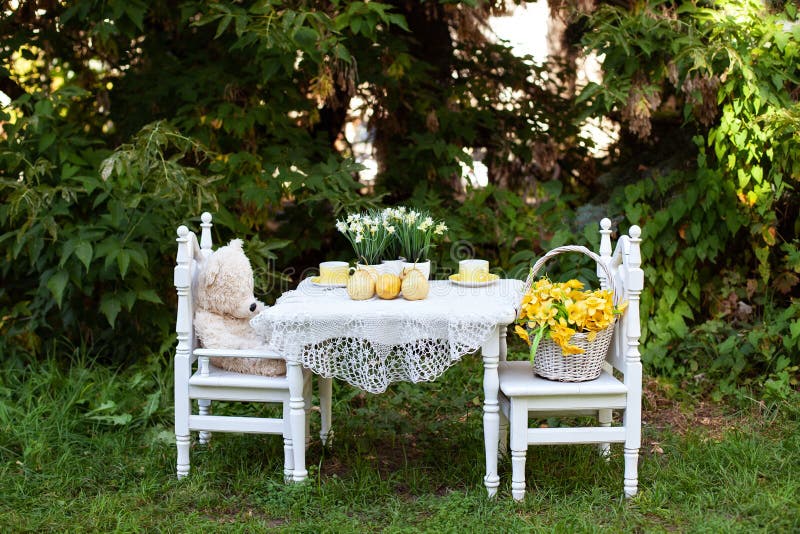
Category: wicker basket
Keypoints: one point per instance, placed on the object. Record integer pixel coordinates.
(549, 362)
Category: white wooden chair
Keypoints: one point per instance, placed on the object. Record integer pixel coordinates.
(523, 395)
(203, 382)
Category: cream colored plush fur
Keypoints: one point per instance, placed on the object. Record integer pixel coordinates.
(224, 305)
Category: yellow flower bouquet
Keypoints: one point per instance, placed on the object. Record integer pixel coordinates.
(561, 321)
(563, 310)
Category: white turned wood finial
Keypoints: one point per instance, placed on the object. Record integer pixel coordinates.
(635, 283)
(605, 237)
(183, 247)
(635, 253)
(605, 250)
(205, 233)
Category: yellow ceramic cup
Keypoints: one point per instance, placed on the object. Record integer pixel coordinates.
(473, 270)
(333, 272)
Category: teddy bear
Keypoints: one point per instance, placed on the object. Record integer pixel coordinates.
(224, 305)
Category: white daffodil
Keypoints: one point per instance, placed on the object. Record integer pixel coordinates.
(341, 226)
(359, 238)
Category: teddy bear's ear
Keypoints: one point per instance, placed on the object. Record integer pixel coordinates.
(212, 270)
(237, 243)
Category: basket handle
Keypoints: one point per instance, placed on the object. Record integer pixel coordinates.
(571, 248)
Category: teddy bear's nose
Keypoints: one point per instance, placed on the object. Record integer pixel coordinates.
(253, 307)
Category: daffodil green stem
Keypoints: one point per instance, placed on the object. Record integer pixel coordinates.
(536, 340)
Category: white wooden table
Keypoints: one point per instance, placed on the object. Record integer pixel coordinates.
(371, 344)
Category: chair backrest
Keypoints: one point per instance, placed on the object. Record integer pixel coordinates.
(190, 256)
(624, 261)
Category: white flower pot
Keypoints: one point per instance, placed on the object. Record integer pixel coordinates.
(392, 266)
(424, 267)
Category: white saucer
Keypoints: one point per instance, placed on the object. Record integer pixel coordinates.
(315, 281)
(454, 278)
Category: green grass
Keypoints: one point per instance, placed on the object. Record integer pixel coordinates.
(85, 449)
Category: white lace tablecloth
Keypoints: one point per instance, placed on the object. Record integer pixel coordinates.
(371, 344)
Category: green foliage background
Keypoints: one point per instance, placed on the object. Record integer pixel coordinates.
(129, 118)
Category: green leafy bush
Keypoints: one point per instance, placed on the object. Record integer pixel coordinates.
(131, 118)
(86, 251)
(731, 74)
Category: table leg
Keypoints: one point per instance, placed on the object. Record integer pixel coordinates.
(491, 409)
(297, 416)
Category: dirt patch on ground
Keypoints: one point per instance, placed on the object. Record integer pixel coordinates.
(661, 411)
(233, 516)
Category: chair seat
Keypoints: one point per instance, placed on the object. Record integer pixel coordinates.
(217, 377)
(517, 380)
(223, 385)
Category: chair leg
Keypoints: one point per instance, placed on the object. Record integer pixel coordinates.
(631, 471)
(183, 407)
(503, 441)
(518, 421)
(325, 393)
(518, 474)
(183, 443)
(604, 418)
(288, 450)
(632, 419)
(204, 408)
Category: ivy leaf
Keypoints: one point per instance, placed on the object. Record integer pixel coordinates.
(46, 140)
(110, 306)
(66, 251)
(670, 295)
(223, 25)
(135, 12)
(123, 261)
(148, 295)
(56, 284)
(398, 20)
(306, 37)
(84, 253)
